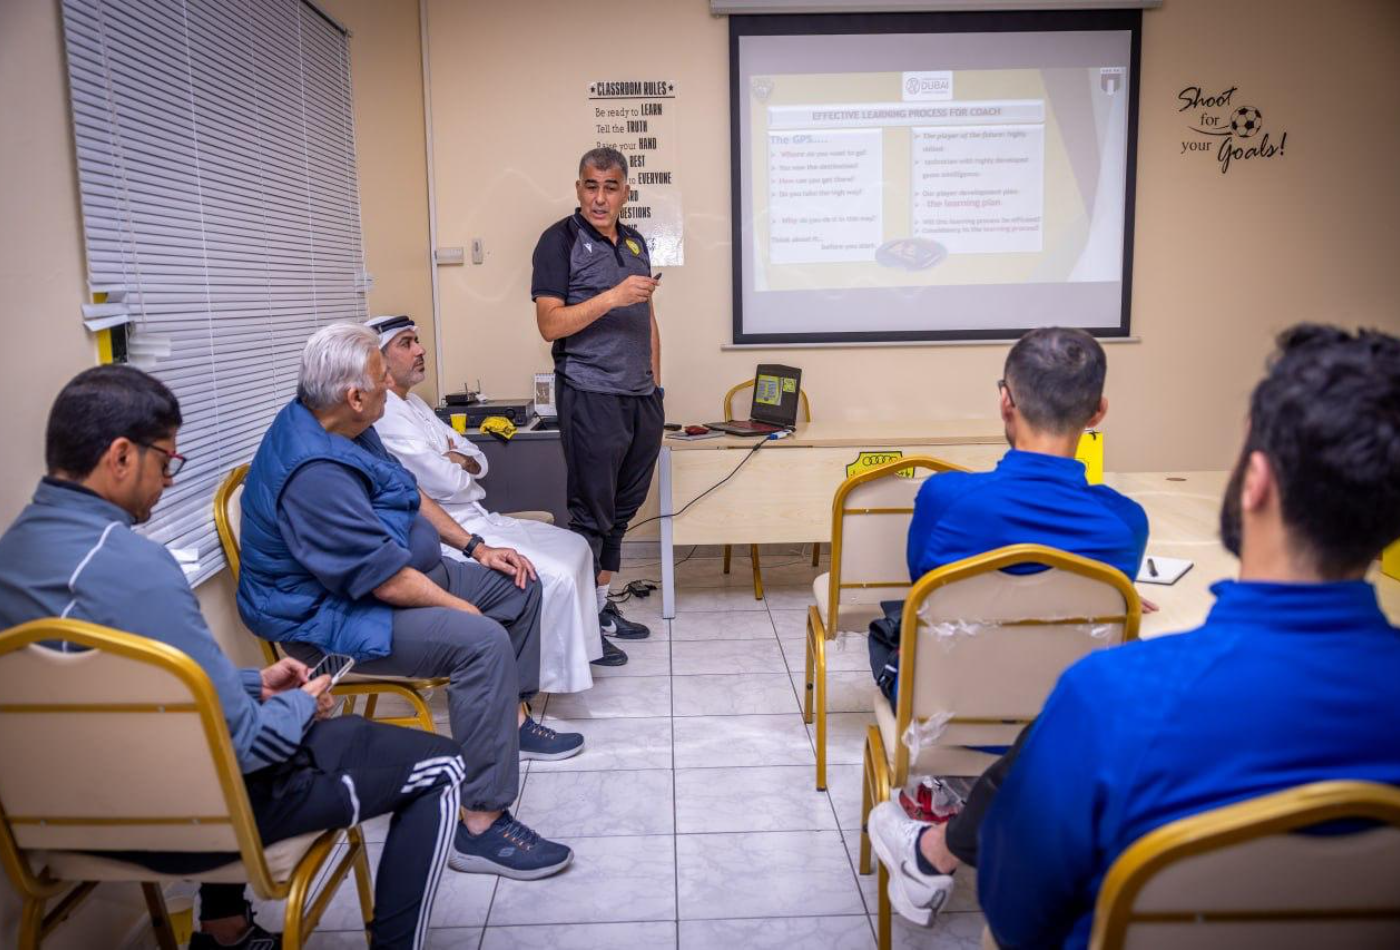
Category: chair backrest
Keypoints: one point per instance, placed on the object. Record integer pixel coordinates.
(121, 746)
(1238, 876)
(748, 384)
(990, 644)
(228, 520)
(870, 516)
(228, 515)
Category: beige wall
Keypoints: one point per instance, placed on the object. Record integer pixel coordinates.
(387, 70)
(42, 269)
(1222, 262)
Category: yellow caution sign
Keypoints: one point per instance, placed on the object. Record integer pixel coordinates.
(868, 460)
(1390, 561)
(1090, 453)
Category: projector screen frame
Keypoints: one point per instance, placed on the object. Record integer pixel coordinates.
(1127, 20)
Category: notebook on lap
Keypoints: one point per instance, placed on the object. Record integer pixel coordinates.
(776, 392)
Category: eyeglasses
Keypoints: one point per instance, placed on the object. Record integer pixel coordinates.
(174, 461)
(1001, 384)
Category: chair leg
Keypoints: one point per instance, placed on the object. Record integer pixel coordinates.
(728, 553)
(808, 664)
(867, 795)
(886, 937)
(363, 882)
(421, 710)
(31, 923)
(816, 553)
(371, 701)
(160, 918)
(819, 689)
(757, 573)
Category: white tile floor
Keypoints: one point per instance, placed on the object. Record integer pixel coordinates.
(692, 812)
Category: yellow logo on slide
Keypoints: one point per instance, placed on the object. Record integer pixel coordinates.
(634, 247)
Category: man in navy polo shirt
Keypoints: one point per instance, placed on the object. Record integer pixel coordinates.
(592, 287)
(1290, 680)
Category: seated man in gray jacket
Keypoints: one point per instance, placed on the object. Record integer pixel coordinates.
(71, 553)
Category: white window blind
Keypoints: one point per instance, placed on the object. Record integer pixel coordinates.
(216, 164)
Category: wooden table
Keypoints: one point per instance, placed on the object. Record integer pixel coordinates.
(1183, 514)
(782, 494)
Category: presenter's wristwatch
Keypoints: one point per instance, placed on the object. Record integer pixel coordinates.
(475, 541)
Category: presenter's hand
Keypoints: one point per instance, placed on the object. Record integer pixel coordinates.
(507, 561)
(285, 674)
(635, 289)
(1148, 607)
(466, 462)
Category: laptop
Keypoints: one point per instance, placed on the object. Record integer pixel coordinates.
(775, 396)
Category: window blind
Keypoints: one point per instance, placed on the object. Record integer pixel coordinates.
(216, 166)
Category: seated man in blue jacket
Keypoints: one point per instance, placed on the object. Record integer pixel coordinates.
(1290, 680)
(340, 553)
(1037, 494)
(71, 553)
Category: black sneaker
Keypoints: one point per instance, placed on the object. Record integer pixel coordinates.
(542, 742)
(612, 656)
(507, 848)
(254, 939)
(616, 625)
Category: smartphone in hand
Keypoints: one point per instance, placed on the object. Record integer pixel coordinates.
(334, 665)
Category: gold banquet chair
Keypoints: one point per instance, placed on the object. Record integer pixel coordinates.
(753, 548)
(228, 521)
(980, 651)
(1237, 876)
(124, 747)
(870, 517)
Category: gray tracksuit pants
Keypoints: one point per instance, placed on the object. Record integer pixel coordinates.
(492, 662)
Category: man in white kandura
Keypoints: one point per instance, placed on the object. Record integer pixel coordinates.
(449, 469)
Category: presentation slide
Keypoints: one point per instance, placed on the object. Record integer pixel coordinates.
(931, 185)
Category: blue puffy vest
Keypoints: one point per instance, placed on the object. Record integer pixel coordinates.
(278, 598)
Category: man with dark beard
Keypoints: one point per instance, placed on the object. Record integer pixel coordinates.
(1290, 680)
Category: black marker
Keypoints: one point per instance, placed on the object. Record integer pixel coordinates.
(1151, 568)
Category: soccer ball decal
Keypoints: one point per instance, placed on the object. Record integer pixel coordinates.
(1246, 121)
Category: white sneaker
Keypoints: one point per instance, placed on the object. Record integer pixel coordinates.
(916, 895)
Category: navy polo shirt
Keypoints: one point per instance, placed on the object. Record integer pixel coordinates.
(1030, 498)
(1284, 684)
(574, 263)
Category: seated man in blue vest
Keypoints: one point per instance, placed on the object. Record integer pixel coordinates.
(72, 552)
(340, 554)
(1290, 680)
(1037, 494)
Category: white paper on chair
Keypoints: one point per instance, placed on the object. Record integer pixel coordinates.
(1168, 570)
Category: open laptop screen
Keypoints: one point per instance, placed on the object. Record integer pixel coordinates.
(775, 394)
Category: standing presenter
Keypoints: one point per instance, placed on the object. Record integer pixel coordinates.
(592, 288)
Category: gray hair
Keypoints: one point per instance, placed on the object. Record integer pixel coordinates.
(335, 359)
(603, 159)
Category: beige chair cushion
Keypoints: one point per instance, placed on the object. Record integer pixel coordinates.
(545, 516)
(854, 618)
(932, 760)
(282, 859)
(235, 513)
